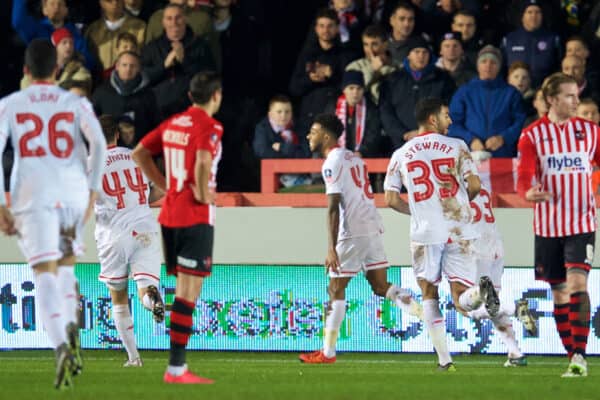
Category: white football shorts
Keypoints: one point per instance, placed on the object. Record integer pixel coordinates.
(358, 254)
(490, 260)
(456, 261)
(49, 234)
(129, 255)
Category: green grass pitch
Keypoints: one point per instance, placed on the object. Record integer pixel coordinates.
(29, 375)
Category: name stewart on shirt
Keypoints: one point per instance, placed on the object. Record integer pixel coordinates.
(176, 137)
(435, 145)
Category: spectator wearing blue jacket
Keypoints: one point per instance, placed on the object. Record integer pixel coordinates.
(532, 44)
(55, 14)
(487, 113)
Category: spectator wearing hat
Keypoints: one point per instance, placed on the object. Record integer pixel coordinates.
(55, 14)
(399, 93)
(319, 68)
(465, 22)
(377, 63)
(532, 44)
(452, 59)
(69, 63)
(362, 128)
(487, 113)
(127, 92)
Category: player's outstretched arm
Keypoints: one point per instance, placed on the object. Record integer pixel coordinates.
(143, 158)
(332, 261)
(394, 201)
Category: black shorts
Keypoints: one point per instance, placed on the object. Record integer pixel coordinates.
(188, 249)
(554, 255)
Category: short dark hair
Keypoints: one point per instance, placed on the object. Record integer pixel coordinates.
(279, 98)
(40, 58)
(405, 5)
(129, 53)
(328, 13)
(375, 31)
(427, 107)
(331, 123)
(577, 38)
(465, 13)
(588, 101)
(127, 37)
(109, 127)
(203, 85)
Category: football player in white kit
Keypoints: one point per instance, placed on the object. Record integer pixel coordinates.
(355, 241)
(52, 195)
(440, 177)
(128, 239)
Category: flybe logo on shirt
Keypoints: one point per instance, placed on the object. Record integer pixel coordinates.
(565, 163)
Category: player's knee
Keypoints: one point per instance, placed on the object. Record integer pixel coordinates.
(116, 286)
(379, 288)
(336, 292)
(143, 283)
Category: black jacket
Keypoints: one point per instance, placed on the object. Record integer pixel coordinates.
(137, 101)
(265, 136)
(399, 94)
(171, 85)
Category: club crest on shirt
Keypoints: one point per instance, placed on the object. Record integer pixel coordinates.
(213, 138)
(328, 174)
(579, 135)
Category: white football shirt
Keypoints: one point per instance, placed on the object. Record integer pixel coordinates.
(122, 204)
(433, 168)
(489, 244)
(45, 125)
(346, 174)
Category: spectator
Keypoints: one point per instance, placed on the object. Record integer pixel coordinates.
(318, 71)
(197, 18)
(352, 23)
(438, 18)
(532, 44)
(275, 136)
(125, 42)
(520, 79)
(402, 21)
(77, 87)
(128, 92)
(465, 23)
(487, 113)
(69, 63)
(418, 78)
(588, 109)
(127, 134)
(171, 60)
(540, 106)
(575, 67)
(102, 34)
(55, 14)
(141, 9)
(376, 64)
(452, 59)
(362, 128)
(591, 33)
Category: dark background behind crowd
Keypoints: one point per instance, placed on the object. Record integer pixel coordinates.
(272, 53)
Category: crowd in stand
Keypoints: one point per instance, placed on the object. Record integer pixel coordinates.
(284, 61)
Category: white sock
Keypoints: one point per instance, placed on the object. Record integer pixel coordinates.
(177, 370)
(124, 324)
(436, 327)
(50, 305)
(67, 285)
(397, 294)
(504, 329)
(332, 326)
(147, 302)
(470, 299)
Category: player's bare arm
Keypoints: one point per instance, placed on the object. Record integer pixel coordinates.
(394, 201)
(202, 170)
(332, 262)
(536, 195)
(473, 186)
(90, 207)
(7, 221)
(143, 158)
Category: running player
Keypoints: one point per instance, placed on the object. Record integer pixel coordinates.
(354, 231)
(441, 179)
(127, 237)
(51, 194)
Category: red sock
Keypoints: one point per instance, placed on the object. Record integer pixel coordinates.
(579, 318)
(181, 329)
(561, 316)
